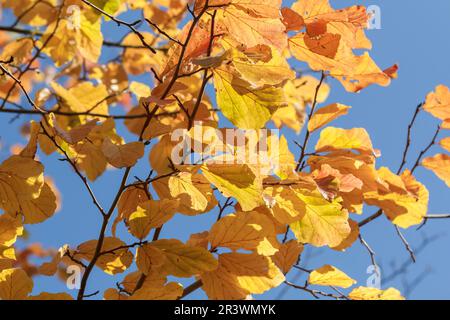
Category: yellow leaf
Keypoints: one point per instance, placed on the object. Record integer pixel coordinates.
(18, 50)
(332, 139)
(155, 278)
(285, 205)
(194, 197)
(171, 291)
(10, 229)
(252, 27)
(237, 181)
(445, 143)
(90, 39)
(244, 106)
(405, 201)
(15, 284)
(365, 73)
(76, 134)
(42, 208)
(199, 240)
(324, 223)
(281, 159)
(140, 90)
(128, 203)
(69, 40)
(123, 156)
(327, 114)
(7, 255)
(362, 167)
(149, 215)
(299, 93)
(365, 293)
(148, 258)
(261, 73)
(161, 155)
(116, 258)
(330, 276)
(184, 261)
(239, 275)
(138, 61)
(84, 97)
(438, 103)
(243, 230)
(109, 6)
(348, 22)
(287, 255)
(31, 148)
(91, 159)
(33, 12)
(351, 238)
(21, 179)
(440, 165)
(114, 294)
(52, 296)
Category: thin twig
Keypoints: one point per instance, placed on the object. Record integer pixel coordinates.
(406, 244)
(315, 293)
(424, 151)
(371, 253)
(127, 24)
(408, 138)
(308, 133)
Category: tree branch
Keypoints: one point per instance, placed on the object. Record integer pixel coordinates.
(308, 134)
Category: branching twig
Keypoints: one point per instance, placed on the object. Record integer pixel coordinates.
(408, 138)
(308, 134)
(119, 22)
(371, 253)
(315, 293)
(406, 244)
(424, 151)
(77, 171)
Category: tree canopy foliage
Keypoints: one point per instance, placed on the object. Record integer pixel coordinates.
(193, 67)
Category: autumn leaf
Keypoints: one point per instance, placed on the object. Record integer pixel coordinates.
(327, 114)
(122, 156)
(51, 296)
(445, 143)
(184, 261)
(10, 229)
(149, 215)
(171, 291)
(330, 276)
(243, 230)
(406, 200)
(116, 258)
(75, 134)
(149, 258)
(365, 293)
(237, 181)
(440, 165)
(324, 223)
(332, 139)
(241, 274)
(438, 103)
(254, 23)
(15, 284)
(230, 214)
(246, 107)
(287, 255)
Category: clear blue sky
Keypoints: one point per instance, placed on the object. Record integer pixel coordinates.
(412, 35)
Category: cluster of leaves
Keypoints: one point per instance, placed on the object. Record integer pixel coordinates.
(241, 48)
